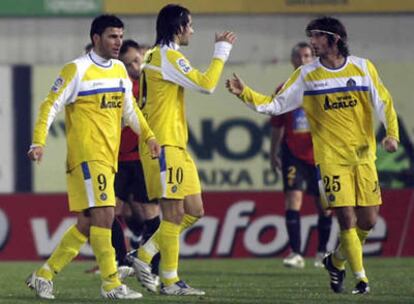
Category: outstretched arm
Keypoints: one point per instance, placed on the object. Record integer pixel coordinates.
(289, 98)
(177, 69)
(235, 85)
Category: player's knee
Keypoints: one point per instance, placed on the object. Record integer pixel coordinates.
(196, 212)
(175, 217)
(293, 200)
(367, 223)
(325, 213)
(367, 220)
(83, 228)
(102, 217)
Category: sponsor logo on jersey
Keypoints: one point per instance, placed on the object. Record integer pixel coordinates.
(58, 84)
(343, 102)
(320, 84)
(351, 83)
(97, 84)
(111, 104)
(184, 65)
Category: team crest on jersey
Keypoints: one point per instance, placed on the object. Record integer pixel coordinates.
(350, 83)
(174, 189)
(184, 65)
(58, 84)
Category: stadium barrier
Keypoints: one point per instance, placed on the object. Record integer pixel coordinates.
(236, 225)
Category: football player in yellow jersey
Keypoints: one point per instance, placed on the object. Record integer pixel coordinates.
(96, 93)
(173, 179)
(339, 94)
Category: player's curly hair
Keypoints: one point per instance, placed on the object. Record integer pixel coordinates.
(170, 21)
(330, 27)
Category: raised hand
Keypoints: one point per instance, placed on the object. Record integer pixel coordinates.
(235, 85)
(227, 36)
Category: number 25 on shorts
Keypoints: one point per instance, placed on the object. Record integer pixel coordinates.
(332, 183)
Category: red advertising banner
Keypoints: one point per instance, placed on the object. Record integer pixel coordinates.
(236, 224)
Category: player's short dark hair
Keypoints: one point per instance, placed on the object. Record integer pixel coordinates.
(102, 22)
(170, 20)
(330, 27)
(126, 44)
(300, 45)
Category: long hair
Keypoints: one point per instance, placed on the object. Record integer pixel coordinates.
(330, 27)
(102, 22)
(170, 21)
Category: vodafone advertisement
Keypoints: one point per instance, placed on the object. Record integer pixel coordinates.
(236, 224)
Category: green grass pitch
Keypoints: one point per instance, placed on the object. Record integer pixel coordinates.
(227, 281)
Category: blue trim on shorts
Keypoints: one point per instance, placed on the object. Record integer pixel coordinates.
(85, 170)
(162, 160)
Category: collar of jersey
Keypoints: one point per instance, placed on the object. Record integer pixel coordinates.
(100, 61)
(173, 45)
(334, 69)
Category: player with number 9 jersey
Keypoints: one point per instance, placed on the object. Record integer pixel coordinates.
(96, 94)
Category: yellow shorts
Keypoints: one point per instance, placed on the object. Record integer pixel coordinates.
(91, 184)
(172, 176)
(346, 185)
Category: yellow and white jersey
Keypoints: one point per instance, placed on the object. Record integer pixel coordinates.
(96, 94)
(339, 104)
(166, 73)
